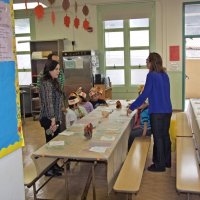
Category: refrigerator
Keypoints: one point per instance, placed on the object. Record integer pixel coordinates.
(79, 70)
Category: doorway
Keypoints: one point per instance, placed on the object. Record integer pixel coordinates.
(191, 49)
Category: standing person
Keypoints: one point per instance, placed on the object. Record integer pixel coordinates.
(51, 99)
(157, 90)
(51, 105)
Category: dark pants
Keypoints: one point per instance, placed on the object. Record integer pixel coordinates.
(136, 132)
(160, 124)
(46, 123)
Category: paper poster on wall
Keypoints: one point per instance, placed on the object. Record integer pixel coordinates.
(5, 32)
(11, 134)
(174, 53)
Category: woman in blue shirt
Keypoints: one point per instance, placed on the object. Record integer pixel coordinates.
(157, 90)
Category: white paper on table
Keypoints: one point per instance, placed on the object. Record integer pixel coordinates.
(56, 143)
(67, 133)
(107, 138)
(98, 149)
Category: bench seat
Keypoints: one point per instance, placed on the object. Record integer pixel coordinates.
(130, 176)
(187, 167)
(35, 170)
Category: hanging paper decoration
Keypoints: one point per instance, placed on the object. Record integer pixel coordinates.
(66, 5)
(53, 16)
(39, 11)
(76, 20)
(85, 11)
(86, 24)
(67, 21)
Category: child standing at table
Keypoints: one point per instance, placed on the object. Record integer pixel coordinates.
(141, 122)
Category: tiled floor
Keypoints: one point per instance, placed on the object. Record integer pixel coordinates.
(155, 186)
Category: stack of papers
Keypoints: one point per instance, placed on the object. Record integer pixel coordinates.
(56, 143)
(67, 133)
(98, 149)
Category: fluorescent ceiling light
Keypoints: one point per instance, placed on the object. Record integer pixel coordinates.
(31, 5)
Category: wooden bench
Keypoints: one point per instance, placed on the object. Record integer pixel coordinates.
(183, 128)
(187, 167)
(130, 176)
(35, 170)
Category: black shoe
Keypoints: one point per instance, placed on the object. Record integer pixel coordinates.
(153, 168)
(52, 172)
(56, 167)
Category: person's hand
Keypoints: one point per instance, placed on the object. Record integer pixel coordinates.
(129, 111)
(54, 128)
(53, 124)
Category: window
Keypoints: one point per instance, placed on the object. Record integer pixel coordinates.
(126, 47)
(23, 34)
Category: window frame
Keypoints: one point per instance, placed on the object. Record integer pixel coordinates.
(127, 50)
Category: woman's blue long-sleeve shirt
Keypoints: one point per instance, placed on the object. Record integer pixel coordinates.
(157, 90)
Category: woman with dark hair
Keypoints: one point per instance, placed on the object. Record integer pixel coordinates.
(157, 90)
(51, 100)
(51, 106)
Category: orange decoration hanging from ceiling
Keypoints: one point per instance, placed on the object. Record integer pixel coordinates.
(76, 20)
(39, 11)
(67, 21)
(66, 5)
(86, 24)
(53, 15)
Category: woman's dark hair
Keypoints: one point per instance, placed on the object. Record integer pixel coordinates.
(156, 62)
(50, 65)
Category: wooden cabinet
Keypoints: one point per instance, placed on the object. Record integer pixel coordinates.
(39, 51)
(107, 91)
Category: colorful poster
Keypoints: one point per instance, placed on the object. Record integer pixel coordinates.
(11, 135)
(5, 32)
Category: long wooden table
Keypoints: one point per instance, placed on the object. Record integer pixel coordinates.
(108, 144)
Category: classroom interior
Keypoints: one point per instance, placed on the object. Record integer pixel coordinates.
(168, 33)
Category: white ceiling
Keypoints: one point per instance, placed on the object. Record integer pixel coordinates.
(58, 3)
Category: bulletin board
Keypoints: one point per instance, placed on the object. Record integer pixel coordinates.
(11, 134)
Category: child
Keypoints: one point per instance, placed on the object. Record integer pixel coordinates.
(70, 115)
(78, 109)
(83, 102)
(94, 98)
(141, 124)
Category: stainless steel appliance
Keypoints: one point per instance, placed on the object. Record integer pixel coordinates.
(79, 69)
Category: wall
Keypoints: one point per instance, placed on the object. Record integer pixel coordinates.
(167, 31)
(11, 173)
